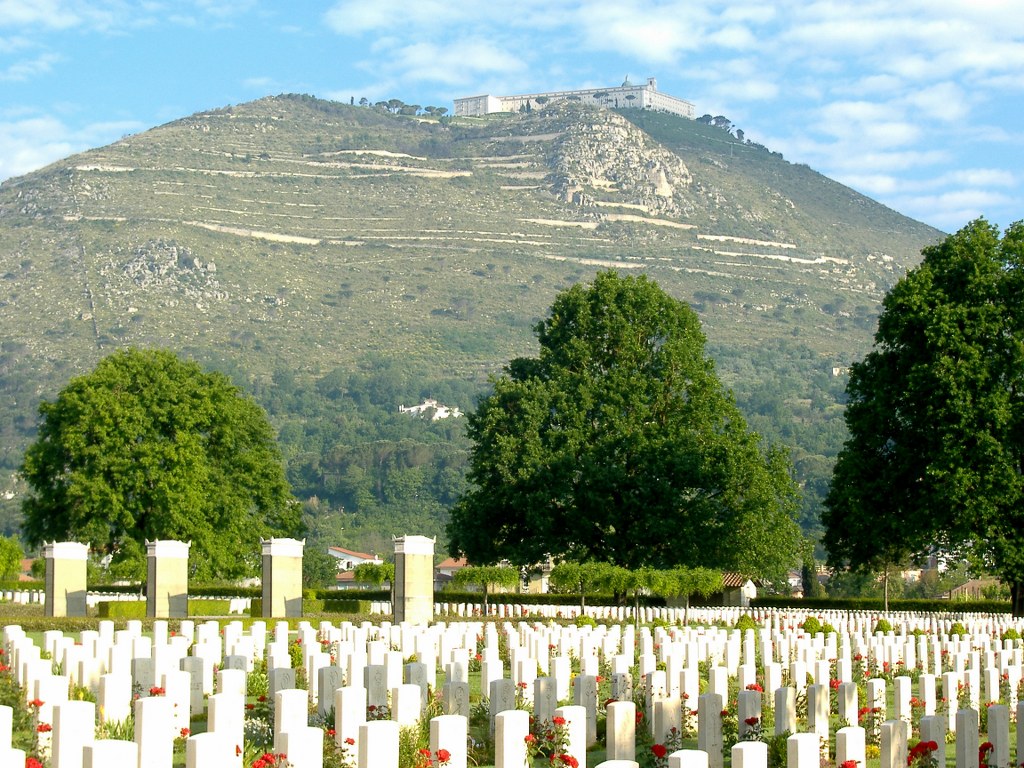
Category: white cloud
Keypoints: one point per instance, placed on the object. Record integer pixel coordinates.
(32, 142)
(455, 64)
(356, 17)
(734, 36)
(651, 33)
(953, 209)
(51, 14)
(942, 101)
(26, 70)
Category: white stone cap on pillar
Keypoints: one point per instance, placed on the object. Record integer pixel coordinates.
(282, 547)
(66, 550)
(168, 548)
(414, 545)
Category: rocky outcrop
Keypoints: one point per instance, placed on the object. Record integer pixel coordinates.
(603, 155)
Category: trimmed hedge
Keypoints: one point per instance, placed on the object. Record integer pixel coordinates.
(121, 609)
(208, 607)
(877, 604)
(136, 609)
(551, 598)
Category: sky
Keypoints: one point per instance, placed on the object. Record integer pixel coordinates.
(917, 103)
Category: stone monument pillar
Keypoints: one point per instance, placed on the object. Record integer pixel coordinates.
(414, 579)
(65, 578)
(282, 577)
(167, 579)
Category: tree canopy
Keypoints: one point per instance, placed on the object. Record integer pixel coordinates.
(148, 446)
(619, 444)
(936, 416)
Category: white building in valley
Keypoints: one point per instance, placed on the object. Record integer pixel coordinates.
(626, 96)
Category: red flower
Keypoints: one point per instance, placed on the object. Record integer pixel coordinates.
(36, 703)
(755, 687)
(752, 721)
(659, 750)
(44, 728)
(185, 733)
(331, 732)
(31, 762)
(443, 756)
(350, 741)
(529, 738)
(569, 761)
(557, 720)
(250, 706)
(156, 690)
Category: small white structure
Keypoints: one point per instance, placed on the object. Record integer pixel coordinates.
(347, 560)
(626, 96)
(432, 409)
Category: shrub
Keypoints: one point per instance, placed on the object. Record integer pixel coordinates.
(958, 629)
(812, 625)
(585, 621)
(882, 625)
(745, 622)
(1010, 634)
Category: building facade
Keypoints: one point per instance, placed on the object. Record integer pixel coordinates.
(626, 96)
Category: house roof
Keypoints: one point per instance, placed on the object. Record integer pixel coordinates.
(351, 553)
(731, 579)
(452, 563)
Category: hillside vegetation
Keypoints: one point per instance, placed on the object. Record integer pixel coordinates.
(340, 261)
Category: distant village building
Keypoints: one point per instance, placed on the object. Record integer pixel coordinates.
(432, 409)
(625, 96)
(347, 560)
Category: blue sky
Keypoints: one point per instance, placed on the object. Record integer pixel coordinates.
(916, 103)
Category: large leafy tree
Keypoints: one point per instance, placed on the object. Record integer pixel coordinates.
(148, 446)
(936, 417)
(619, 444)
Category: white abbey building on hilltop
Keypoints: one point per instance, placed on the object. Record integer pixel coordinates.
(626, 96)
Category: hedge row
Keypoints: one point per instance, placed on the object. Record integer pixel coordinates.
(136, 609)
(877, 604)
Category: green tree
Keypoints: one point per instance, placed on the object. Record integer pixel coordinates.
(374, 573)
(148, 446)
(619, 444)
(584, 578)
(11, 555)
(936, 416)
(487, 577)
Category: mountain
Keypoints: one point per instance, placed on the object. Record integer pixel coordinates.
(290, 240)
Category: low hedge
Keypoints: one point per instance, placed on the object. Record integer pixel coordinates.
(877, 604)
(121, 609)
(136, 609)
(551, 598)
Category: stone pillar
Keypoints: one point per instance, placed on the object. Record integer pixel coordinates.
(65, 578)
(282, 577)
(167, 579)
(414, 579)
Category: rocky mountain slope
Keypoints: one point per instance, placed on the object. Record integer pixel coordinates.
(301, 236)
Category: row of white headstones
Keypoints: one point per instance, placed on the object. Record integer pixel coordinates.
(353, 668)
